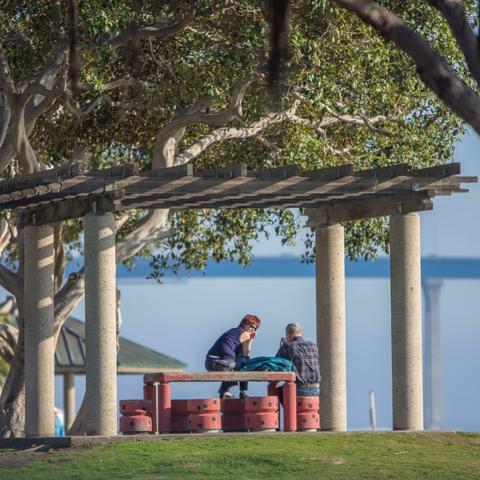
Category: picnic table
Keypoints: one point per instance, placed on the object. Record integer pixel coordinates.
(158, 391)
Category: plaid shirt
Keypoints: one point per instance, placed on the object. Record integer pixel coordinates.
(304, 356)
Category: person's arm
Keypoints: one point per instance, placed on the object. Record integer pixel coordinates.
(284, 352)
(246, 339)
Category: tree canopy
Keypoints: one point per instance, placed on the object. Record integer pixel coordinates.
(454, 80)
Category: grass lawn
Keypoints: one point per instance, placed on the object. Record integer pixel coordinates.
(333, 456)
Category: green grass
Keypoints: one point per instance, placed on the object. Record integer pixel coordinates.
(334, 456)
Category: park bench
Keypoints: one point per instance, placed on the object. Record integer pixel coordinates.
(158, 391)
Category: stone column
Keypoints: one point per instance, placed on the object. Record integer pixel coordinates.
(39, 334)
(406, 307)
(100, 324)
(69, 399)
(330, 275)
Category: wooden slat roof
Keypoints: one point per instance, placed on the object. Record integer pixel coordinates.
(71, 192)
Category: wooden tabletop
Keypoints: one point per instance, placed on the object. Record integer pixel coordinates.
(165, 377)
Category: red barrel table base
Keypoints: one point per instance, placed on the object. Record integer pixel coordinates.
(135, 417)
(261, 413)
(201, 415)
(164, 408)
(290, 407)
(150, 395)
(135, 424)
(233, 415)
(308, 418)
(135, 407)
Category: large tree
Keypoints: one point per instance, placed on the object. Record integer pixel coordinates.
(161, 84)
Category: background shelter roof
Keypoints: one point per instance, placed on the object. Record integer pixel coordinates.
(132, 357)
(344, 194)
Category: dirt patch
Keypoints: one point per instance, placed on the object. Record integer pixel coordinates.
(41, 453)
(334, 460)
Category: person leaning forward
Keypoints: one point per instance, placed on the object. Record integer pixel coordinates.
(229, 352)
(304, 356)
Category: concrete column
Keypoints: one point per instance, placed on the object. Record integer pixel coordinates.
(406, 307)
(39, 335)
(69, 399)
(100, 324)
(330, 274)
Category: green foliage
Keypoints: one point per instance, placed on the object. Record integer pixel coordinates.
(372, 456)
(335, 60)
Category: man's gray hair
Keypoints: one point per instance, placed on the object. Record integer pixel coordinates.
(294, 328)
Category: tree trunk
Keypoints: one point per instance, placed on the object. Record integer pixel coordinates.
(12, 399)
(79, 426)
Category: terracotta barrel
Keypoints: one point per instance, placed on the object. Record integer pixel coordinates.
(308, 418)
(135, 417)
(233, 415)
(201, 415)
(135, 424)
(262, 413)
(135, 407)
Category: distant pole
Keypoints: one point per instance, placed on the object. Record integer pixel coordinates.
(433, 355)
(69, 399)
(373, 411)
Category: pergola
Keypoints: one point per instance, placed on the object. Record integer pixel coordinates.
(332, 196)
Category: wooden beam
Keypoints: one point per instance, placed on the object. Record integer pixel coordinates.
(401, 169)
(308, 201)
(331, 172)
(40, 178)
(438, 171)
(349, 210)
(239, 170)
(179, 171)
(218, 194)
(285, 171)
(118, 171)
(140, 192)
(66, 189)
(69, 209)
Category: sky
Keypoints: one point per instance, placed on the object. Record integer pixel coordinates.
(183, 317)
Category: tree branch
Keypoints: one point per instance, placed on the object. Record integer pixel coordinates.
(68, 297)
(11, 281)
(4, 117)
(170, 135)
(152, 228)
(454, 13)
(156, 30)
(8, 341)
(6, 80)
(227, 133)
(431, 66)
(290, 115)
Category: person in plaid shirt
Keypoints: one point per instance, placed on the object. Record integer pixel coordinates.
(304, 356)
